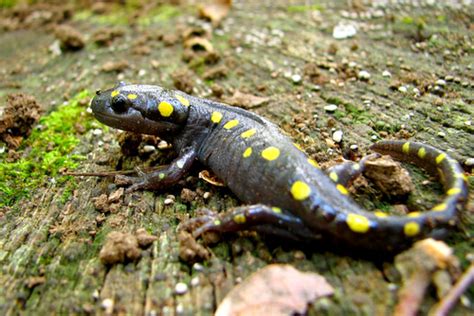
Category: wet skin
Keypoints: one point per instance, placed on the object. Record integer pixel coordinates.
(285, 191)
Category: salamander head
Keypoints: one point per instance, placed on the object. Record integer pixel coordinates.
(141, 109)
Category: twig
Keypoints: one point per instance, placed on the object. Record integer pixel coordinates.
(448, 302)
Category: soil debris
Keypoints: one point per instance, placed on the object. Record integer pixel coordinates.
(69, 38)
(144, 238)
(35, 281)
(389, 176)
(116, 195)
(190, 250)
(101, 203)
(34, 16)
(214, 73)
(18, 118)
(115, 66)
(246, 100)
(105, 36)
(188, 195)
(119, 248)
(183, 80)
(129, 143)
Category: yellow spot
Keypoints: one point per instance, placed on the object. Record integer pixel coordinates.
(298, 146)
(411, 229)
(114, 93)
(239, 218)
(300, 190)
(356, 166)
(216, 117)
(440, 158)
(276, 209)
(342, 189)
(333, 176)
(314, 163)
(358, 223)
(440, 207)
(271, 153)
(132, 96)
(217, 222)
(165, 108)
(380, 214)
(422, 152)
(248, 133)
(453, 191)
(406, 147)
(414, 214)
(231, 124)
(247, 152)
(182, 100)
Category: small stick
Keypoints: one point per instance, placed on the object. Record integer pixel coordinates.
(97, 174)
(448, 302)
(107, 173)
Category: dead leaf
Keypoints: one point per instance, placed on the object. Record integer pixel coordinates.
(246, 101)
(275, 290)
(199, 44)
(207, 176)
(215, 11)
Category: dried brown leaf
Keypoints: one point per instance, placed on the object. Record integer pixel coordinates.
(215, 11)
(275, 290)
(246, 101)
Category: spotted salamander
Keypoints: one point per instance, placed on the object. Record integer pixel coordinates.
(286, 192)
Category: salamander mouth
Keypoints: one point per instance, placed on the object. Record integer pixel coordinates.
(135, 122)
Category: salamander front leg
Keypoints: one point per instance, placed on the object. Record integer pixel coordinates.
(347, 171)
(160, 179)
(256, 217)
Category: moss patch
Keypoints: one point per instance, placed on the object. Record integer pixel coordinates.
(44, 153)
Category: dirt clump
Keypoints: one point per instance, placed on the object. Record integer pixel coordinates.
(70, 39)
(18, 118)
(119, 248)
(389, 176)
(105, 37)
(190, 250)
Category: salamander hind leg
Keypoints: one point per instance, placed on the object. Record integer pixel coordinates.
(258, 217)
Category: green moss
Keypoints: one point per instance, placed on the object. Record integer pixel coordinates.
(304, 8)
(99, 239)
(7, 3)
(160, 14)
(44, 153)
(123, 15)
(407, 20)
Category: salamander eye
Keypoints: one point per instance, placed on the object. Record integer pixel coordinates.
(119, 104)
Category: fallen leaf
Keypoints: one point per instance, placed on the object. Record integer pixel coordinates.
(207, 176)
(215, 11)
(275, 290)
(246, 101)
(199, 44)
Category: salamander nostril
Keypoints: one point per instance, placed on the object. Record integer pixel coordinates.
(119, 104)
